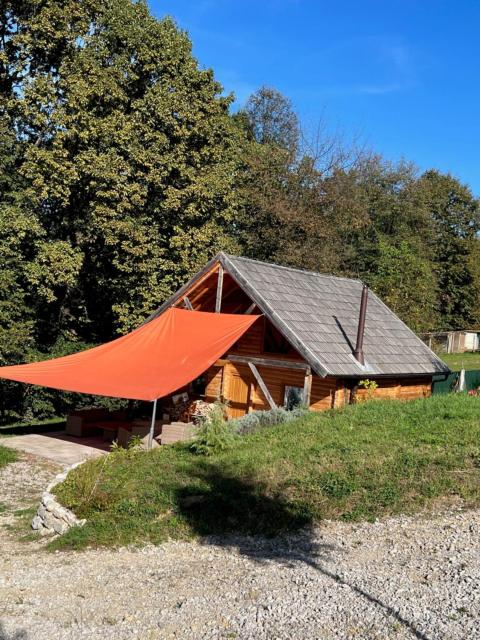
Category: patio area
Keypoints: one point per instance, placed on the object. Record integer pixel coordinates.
(58, 446)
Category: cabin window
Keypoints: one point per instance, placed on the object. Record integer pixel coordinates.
(274, 342)
(293, 397)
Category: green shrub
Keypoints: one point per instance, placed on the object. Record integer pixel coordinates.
(252, 422)
(215, 433)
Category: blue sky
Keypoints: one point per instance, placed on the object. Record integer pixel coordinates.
(403, 75)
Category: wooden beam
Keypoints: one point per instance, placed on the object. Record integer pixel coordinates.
(251, 389)
(218, 301)
(222, 383)
(269, 362)
(307, 387)
(262, 385)
(187, 303)
(250, 308)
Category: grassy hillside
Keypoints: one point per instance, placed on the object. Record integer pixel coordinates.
(6, 456)
(366, 461)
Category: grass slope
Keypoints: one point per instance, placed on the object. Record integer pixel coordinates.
(6, 456)
(365, 461)
(456, 361)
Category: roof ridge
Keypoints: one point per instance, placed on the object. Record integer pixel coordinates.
(283, 267)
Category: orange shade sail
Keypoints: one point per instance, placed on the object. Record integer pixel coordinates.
(148, 363)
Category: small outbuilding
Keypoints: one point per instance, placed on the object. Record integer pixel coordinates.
(452, 341)
(318, 336)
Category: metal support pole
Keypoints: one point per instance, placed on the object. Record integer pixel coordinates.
(152, 426)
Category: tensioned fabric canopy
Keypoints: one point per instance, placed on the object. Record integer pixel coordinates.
(151, 362)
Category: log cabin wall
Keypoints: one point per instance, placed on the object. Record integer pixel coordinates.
(241, 391)
(398, 389)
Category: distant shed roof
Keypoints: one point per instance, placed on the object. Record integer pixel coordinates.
(319, 314)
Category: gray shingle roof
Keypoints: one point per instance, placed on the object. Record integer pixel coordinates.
(318, 313)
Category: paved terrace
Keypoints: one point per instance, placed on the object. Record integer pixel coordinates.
(57, 446)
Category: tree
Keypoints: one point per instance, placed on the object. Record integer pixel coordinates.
(129, 160)
(453, 240)
(281, 184)
(405, 281)
(271, 120)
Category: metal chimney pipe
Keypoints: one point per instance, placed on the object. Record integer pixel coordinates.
(358, 353)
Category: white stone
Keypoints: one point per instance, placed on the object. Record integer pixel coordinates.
(60, 526)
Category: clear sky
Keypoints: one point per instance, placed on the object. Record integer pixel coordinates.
(404, 75)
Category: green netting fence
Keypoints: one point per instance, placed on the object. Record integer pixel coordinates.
(472, 381)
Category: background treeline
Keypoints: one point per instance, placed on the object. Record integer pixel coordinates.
(123, 170)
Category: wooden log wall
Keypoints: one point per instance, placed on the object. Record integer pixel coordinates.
(398, 389)
(243, 394)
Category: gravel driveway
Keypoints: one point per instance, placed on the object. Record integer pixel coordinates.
(399, 578)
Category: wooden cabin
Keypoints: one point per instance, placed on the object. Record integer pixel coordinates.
(303, 347)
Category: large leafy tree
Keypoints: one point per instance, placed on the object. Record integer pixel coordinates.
(454, 246)
(128, 159)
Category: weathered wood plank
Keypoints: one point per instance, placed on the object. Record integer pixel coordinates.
(262, 385)
(222, 384)
(218, 301)
(250, 309)
(187, 303)
(307, 387)
(269, 362)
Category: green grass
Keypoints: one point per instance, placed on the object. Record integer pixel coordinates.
(456, 361)
(6, 456)
(366, 461)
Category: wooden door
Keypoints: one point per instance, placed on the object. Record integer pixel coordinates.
(238, 382)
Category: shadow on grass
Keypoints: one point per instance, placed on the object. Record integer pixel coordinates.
(227, 505)
(25, 429)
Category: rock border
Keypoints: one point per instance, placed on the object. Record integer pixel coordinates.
(52, 518)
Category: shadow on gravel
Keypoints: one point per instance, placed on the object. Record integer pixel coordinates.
(15, 635)
(241, 509)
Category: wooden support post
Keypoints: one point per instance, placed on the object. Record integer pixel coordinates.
(222, 383)
(269, 362)
(251, 389)
(250, 309)
(152, 426)
(218, 301)
(307, 387)
(187, 303)
(262, 385)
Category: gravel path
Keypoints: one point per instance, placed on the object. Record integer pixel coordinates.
(396, 579)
